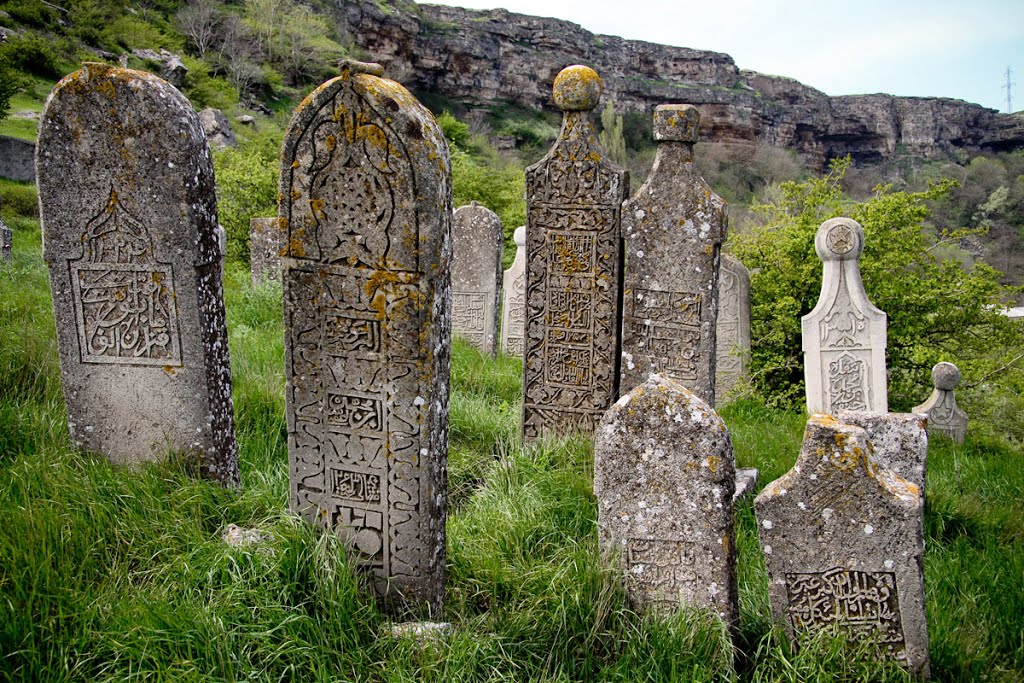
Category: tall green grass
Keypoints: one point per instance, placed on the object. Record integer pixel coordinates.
(110, 574)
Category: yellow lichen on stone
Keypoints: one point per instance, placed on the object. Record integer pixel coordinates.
(577, 88)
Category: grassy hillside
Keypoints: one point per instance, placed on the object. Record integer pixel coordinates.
(109, 574)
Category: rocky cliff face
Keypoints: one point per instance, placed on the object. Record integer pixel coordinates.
(486, 58)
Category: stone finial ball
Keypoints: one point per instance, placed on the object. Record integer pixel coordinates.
(839, 239)
(519, 236)
(577, 88)
(356, 67)
(945, 376)
(676, 122)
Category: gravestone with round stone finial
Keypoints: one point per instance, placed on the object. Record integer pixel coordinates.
(129, 217)
(843, 542)
(513, 309)
(944, 416)
(366, 203)
(732, 331)
(673, 230)
(573, 270)
(844, 336)
(476, 275)
(664, 478)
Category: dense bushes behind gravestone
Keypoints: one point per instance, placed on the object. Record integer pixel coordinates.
(18, 199)
(246, 188)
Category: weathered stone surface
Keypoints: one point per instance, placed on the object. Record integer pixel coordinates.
(944, 416)
(746, 482)
(247, 120)
(573, 270)
(900, 441)
(217, 127)
(673, 230)
(733, 328)
(513, 309)
(843, 542)
(664, 477)
(844, 336)
(366, 202)
(129, 221)
(6, 241)
(476, 275)
(17, 159)
(268, 237)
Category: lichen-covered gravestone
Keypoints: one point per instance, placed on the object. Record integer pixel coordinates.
(366, 201)
(673, 230)
(844, 337)
(267, 239)
(6, 241)
(733, 327)
(573, 270)
(843, 542)
(664, 477)
(129, 221)
(513, 310)
(944, 416)
(476, 275)
(900, 441)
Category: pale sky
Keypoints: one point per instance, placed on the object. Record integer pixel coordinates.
(933, 48)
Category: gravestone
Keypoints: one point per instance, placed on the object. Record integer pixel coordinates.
(513, 309)
(267, 239)
(673, 230)
(900, 441)
(664, 478)
(129, 219)
(6, 241)
(944, 416)
(476, 275)
(573, 270)
(733, 327)
(843, 543)
(366, 202)
(844, 336)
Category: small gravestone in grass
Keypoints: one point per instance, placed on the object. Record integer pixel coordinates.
(266, 241)
(944, 416)
(130, 237)
(843, 544)
(476, 275)
(900, 441)
(366, 202)
(573, 270)
(6, 240)
(844, 336)
(673, 230)
(664, 477)
(513, 288)
(733, 327)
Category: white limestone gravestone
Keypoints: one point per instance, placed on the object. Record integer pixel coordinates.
(944, 415)
(513, 309)
(266, 242)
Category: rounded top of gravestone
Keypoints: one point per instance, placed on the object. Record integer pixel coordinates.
(352, 66)
(839, 239)
(945, 376)
(676, 122)
(577, 88)
(519, 236)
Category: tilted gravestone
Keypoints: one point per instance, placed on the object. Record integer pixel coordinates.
(476, 275)
(513, 309)
(673, 230)
(267, 239)
(130, 237)
(664, 478)
(733, 328)
(900, 441)
(944, 416)
(573, 270)
(843, 543)
(844, 336)
(366, 201)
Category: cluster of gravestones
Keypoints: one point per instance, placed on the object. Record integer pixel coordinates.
(605, 294)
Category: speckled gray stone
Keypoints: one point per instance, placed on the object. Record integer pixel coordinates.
(746, 482)
(130, 237)
(664, 477)
(843, 543)
(673, 229)
(267, 239)
(573, 270)
(477, 243)
(900, 441)
(733, 327)
(366, 201)
(6, 241)
(944, 416)
(513, 291)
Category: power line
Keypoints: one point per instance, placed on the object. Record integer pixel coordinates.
(1009, 90)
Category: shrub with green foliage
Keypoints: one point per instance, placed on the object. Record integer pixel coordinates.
(246, 187)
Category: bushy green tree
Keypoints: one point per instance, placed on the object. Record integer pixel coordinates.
(246, 188)
(611, 136)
